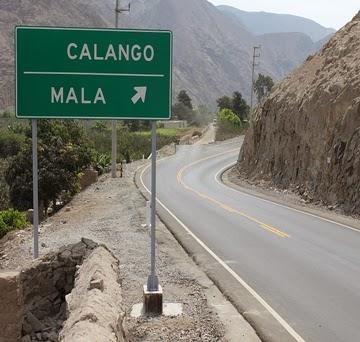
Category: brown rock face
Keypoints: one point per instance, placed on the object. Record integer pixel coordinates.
(307, 133)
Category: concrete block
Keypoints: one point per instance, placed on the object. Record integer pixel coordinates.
(153, 301)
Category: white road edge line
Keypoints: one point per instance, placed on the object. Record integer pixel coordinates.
(217, 179)
(286, 326)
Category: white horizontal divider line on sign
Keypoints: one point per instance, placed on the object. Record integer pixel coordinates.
(89, 74)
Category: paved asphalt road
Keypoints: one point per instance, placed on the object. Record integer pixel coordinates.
(306, 269)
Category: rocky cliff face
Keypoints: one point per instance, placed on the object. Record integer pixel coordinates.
(306, 135)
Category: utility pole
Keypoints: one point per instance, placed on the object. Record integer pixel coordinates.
(256, 55)
(118, 10)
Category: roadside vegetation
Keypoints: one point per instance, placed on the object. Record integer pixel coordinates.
(65, 149)
(263, 87)
(231, 120)
(234, 113)
(11, 220)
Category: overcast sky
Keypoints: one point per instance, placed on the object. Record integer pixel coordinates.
(330, 13)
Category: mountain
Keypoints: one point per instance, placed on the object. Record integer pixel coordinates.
(212, 51)
(260, 23)
(40, 12)
(306, 135)
(286, 50)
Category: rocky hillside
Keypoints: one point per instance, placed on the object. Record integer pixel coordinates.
(260, 23)
(212, 52)
(306, 136)
(287, 50)
(41, 12)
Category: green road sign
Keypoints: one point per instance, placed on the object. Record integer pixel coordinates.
(93, 73)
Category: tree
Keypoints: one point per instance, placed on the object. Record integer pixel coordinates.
(236, 104)
(182, 112)
(224, 102)
(137, 125)
(63, 152)
(202, 116)
(10, 143)
(228, 125)
(239, 106)
(185, 99)
(4, 188)
(133, 125)
(227, 115)
(263, 86)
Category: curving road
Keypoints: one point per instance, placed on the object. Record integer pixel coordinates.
(307, 269)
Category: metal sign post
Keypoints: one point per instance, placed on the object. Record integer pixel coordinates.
(118, 10)
(113, 148)
(35, 188)
(153, 283)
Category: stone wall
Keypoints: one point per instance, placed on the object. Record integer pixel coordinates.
(94, 307)
(11, 308)
(44, 286)
(33, 302)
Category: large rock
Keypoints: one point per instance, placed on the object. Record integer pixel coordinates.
(307, 133)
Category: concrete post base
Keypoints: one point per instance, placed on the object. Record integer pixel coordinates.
(153, 301)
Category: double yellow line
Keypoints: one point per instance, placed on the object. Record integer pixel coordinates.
(224, 206)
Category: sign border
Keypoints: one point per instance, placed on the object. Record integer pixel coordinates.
(19, 116)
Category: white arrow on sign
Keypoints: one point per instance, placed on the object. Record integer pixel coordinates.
(140, 94)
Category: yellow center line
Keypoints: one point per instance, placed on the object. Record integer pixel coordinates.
(224, 206)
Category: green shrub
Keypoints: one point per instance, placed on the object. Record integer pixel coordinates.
(140, 143)
(10, 143)
(101, 162)
(11, 220)
(4, 188)
(63, 152)
(4, 229)
(229, 116)
(228, 125)
(130, 145)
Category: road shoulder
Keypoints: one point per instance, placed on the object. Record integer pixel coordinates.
(229, 177)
